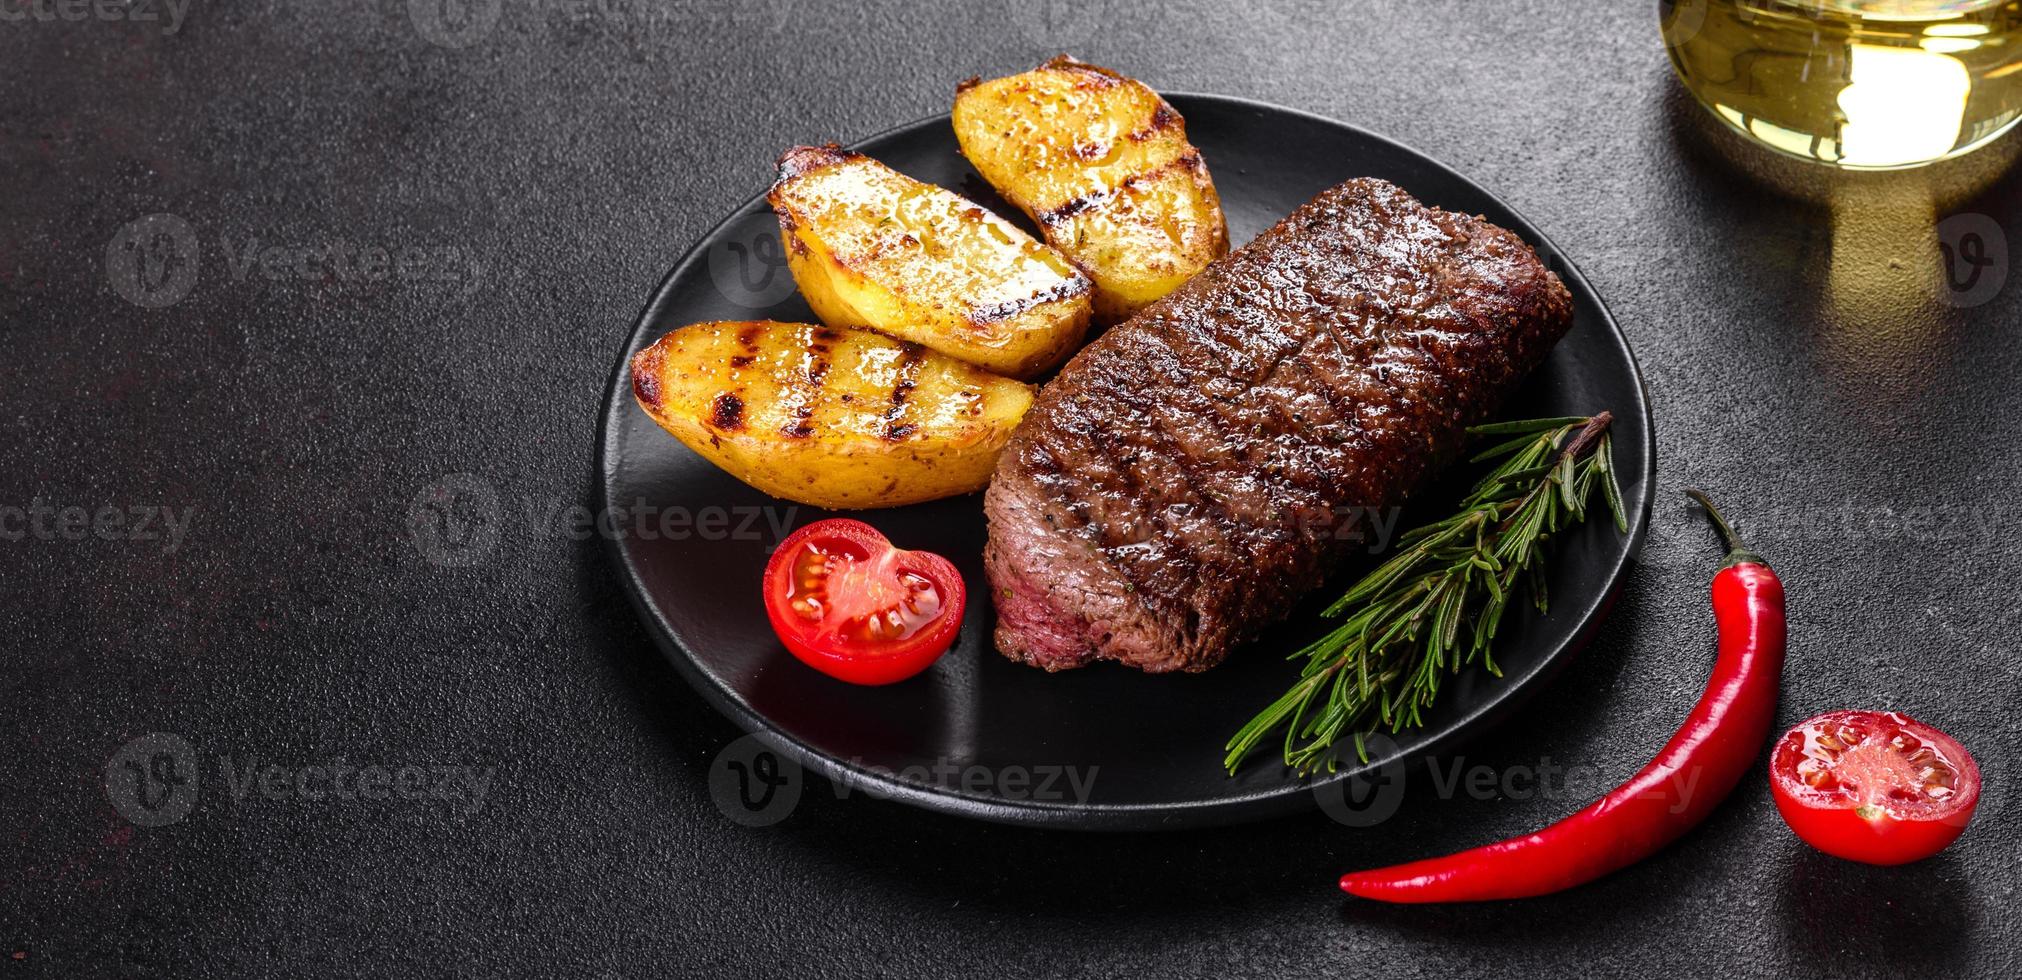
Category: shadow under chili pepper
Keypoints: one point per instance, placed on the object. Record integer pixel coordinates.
(1856, 919)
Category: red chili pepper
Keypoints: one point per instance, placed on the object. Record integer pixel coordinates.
(1697, 769)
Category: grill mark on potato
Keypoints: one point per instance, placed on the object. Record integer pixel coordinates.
(1063, 290)
(1190, 160)
(1053, 216)
(747, 339)
(799, 427)
(902, 389)
(1162, 119)
(807, 385)
(646, 376)
(800, 161)
(726, 412)
(1090, 76)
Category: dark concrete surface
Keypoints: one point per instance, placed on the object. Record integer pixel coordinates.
(301, 414)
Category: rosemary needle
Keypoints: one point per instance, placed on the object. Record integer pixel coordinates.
(1434, 606)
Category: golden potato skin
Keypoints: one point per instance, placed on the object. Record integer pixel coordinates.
(871, 247)
(1103, 166)
(838, 418)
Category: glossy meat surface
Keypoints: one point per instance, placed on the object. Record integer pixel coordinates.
(1189, 476)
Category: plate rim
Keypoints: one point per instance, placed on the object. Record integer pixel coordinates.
(1264, 803)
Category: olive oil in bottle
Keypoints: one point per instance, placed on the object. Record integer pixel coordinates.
(1861, 84)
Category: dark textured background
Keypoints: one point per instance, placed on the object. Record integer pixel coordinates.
(563, 159)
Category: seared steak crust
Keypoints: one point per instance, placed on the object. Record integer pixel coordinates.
(1192, 473)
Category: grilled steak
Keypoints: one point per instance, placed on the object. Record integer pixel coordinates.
(1196, 470)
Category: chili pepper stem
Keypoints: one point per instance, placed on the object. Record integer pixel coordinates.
(1737, 553)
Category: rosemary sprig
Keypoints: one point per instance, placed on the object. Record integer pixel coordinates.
(1434, 606)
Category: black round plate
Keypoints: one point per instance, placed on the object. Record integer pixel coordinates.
(1103, 747)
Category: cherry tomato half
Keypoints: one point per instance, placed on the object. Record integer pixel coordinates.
(850, 605)
(1872, 786)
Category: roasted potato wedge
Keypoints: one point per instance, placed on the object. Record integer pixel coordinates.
(1103, 166)
(872, 247)
(833, 417)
